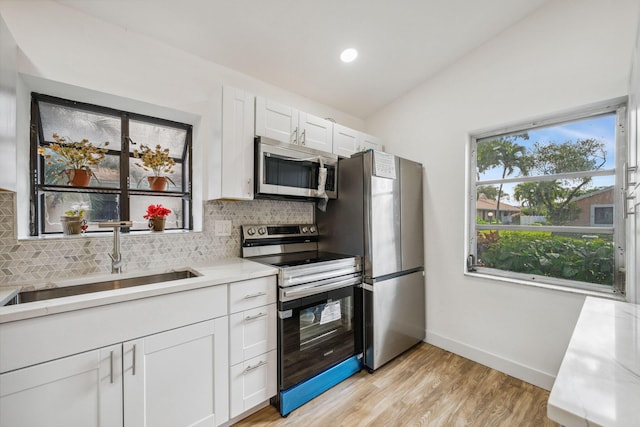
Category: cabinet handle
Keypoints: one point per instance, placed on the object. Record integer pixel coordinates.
(133, 366)
(259, 294)
(257, 316)
(111, 367)
(251, 368)
(295, 133)
(303, 137)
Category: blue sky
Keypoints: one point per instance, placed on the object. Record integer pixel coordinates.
(602, 128)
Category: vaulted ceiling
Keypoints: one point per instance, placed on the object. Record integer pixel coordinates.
(295, 44)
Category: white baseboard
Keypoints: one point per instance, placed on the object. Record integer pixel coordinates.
(509, 367)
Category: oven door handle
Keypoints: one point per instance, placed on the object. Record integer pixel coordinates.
(291, 281)
(301, 291)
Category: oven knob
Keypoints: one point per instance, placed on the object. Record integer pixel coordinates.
(312, 229)
(251, 231)
(305, 229)
(262, 230)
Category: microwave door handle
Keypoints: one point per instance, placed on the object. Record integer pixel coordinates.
(311, 290)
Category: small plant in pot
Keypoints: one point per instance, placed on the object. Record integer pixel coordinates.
(155, 160)
(73, 221)
(157, 216)
(78, 157)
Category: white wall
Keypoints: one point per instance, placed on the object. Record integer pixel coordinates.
(565, 55)
(8, 85)
(69, 54)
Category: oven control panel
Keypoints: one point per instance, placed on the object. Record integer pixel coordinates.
(278, 231)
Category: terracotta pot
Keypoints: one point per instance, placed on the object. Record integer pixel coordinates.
(157, 224)
(78, 177)
(71, 224)
(157, 183)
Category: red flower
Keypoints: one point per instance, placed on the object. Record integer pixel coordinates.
(156, 211)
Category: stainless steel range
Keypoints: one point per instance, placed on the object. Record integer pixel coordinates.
(319, 310)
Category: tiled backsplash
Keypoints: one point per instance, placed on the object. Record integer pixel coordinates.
(33, 262)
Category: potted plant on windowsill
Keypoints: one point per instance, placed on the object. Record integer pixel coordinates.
(73, 222)
(155, 160)
(78, 157)
(157, 216)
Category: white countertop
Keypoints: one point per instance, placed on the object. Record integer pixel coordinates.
(215, 273)
(599, 378)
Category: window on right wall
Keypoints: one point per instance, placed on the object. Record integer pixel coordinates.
(546, 203)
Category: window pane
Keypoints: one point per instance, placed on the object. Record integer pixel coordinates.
(152, 134)
(97, 207)
(139, 206)
(555, 202)
(585, 258)
(584, 145)
(77, 124)
(106, 174)
(139, 176)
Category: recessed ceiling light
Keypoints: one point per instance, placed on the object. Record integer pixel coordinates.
(348, 55)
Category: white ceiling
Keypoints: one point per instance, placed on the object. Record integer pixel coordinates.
(295, 44)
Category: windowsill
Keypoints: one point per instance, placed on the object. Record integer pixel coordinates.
(103, 234)
(576, 291)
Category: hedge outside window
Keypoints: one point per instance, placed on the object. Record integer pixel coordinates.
(547, 203)
(119, 189)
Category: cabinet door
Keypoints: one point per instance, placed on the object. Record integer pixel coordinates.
(253, 382)
(171, 378)
(345, 140)
(316, 132)
(82, 390)
(237, 144)
(252, 333)
(370, 142)
(276, 121)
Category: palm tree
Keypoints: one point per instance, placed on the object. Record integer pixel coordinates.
(505, 152)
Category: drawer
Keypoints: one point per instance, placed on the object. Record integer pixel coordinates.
(251, 333)
(252, 293)
(252, 382)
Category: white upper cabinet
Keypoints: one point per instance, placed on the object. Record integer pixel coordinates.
(288, 125)
(315, 132)
(276, 121)
(345, 140)
(370, 142)
(233, 177)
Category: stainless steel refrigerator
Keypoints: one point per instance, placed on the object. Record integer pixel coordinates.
(378, 215)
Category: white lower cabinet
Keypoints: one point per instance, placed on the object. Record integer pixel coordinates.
(167, 379)
(82, 390)
(252, 381)
(171, 378)
(252, 343)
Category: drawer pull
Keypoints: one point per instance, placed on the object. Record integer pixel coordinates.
(259, 294)
(251, 368)
(256, 316)
(133, 367)
(111, 367)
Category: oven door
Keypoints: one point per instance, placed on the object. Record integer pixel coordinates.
(317, 332)
(283, 171)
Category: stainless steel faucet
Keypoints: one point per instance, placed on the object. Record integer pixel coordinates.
(116, 256)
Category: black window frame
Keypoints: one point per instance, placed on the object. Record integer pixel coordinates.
(124, 191)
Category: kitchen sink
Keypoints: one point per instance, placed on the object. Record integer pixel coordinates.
(107, 285)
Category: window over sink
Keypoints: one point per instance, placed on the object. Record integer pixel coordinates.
(106, 165)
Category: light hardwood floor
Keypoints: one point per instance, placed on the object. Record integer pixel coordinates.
(426, 386)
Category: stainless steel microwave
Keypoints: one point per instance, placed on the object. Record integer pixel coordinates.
(287, 170)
